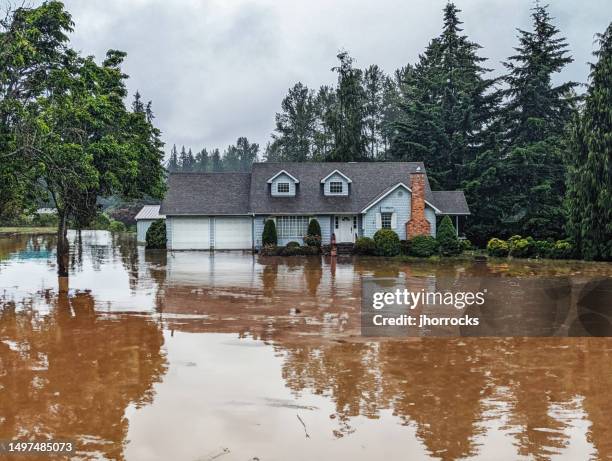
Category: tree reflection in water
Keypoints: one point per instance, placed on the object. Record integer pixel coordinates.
(72, 374)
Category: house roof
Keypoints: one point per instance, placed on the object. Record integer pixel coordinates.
(451, 202)
(149, 212)
(369, 179)
(246, 193)
(207, 193)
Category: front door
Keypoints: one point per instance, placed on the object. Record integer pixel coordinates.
(346, 228)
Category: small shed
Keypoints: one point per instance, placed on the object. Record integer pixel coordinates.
(144, 219)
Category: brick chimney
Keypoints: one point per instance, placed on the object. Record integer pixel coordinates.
(417, 225)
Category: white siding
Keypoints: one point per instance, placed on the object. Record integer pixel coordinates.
(142, 226)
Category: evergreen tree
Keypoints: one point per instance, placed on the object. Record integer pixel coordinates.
(373, 87)
(325, 106)
(447, 105)
(201, 161)
(247, 153)
(348, 118)
(589, 175)
(293, 137)
(216, 161)
(173, 161)
(534, 119)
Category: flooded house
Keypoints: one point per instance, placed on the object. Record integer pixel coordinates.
(227, 211)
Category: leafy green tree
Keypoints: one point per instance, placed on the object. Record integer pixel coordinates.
(589, 159)
(295, 124)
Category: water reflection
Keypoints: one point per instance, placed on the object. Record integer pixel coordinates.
(234, 346)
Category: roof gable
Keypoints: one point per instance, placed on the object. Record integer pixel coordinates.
(338, 172)
(293, 178)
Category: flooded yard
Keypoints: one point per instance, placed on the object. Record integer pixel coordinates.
(231, 356)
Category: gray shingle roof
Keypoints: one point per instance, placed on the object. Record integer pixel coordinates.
(207, 193)
(244, 193)
(451, 202)
(369, 180)
(149, 212)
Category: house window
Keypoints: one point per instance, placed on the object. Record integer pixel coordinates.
(385, 220)
(335, 187)
(282, 187)
(292, 226)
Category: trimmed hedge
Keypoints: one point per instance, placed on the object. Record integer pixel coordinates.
(156, 235)
(269, 236)
(313, 237)
(364, 246)
(498, 247)
(289, 250)
(422, 246)
(387, 242)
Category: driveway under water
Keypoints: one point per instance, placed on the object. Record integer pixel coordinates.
(230, 356)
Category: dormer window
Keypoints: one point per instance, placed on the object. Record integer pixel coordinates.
(283, 184)
(336, 187)
(282, 187)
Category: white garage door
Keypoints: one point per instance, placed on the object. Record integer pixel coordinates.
(190, 234)
(233, 233)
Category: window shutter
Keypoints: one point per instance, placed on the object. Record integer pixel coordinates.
(393, 220)
(378, 221)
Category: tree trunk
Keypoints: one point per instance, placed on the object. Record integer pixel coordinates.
(63, 249)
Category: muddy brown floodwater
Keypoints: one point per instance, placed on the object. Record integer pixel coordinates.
(228, 356)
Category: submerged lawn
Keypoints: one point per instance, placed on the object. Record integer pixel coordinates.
(28, 230)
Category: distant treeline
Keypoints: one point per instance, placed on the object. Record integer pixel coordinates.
(238, 157)
(511, 142)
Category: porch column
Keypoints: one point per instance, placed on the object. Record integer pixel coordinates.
(457, 225)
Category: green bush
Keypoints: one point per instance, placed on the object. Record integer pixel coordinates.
(116, 226)
(293, 245)
(521, 247)
(45, 220)
(156, 235)
(447, 238)
(422, 246)
(100, 222)
(387, 242)
(544, 248)
(497, 247)
(364, 246)
(563, 249)
(297, 250)
(269, 236)
(313, 237)
(466, 245)
(270, 250)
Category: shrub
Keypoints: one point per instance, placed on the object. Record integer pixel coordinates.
(116, 226)
(543, 248)
(45, 220)
(364, 246)
(293, 245)
(466, 245)
(270, 250)
(387, 242)
(521, 247)
(100, 222)
(313, 237)
(422, 246)
(563, 249)
(269, 236)
(156, 235)
(498, 247)
(447, 238)
(297, 250)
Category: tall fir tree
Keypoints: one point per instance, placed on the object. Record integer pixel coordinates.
(295, 125)
(216, 161)
(374, 81)
(589, 162)
(202, 161)
(325, 105)
(349, 117)
(173, 162)
(534, 121)
(447, 105)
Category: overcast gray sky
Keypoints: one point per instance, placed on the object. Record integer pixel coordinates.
(218, 69)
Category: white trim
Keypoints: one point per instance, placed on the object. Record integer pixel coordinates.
(295, 180)
(392, 189)
(340, 173)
